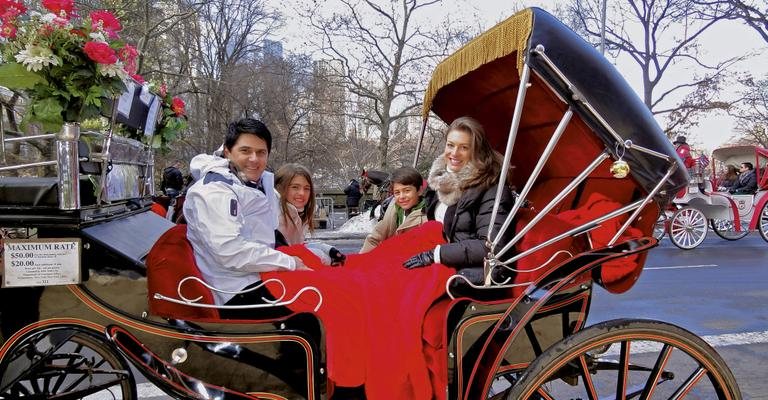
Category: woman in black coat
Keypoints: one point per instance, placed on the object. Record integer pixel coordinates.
(463, 183)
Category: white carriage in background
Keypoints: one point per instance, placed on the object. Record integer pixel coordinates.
(731, 216)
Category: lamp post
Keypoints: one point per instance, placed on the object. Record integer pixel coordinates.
(604, 4)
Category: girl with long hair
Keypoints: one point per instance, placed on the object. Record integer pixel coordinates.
(293, 183)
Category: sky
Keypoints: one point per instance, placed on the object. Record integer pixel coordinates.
(723, 40)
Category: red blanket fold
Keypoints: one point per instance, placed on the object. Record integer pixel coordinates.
(373, 312)
(620, 274)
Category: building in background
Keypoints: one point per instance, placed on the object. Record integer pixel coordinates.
(272, 49)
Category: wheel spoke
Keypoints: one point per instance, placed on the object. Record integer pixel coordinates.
(82, 378)
(621, 381)
(689, 383)
(655, 374)
(589, 385)
(544, 395)
(63, 377)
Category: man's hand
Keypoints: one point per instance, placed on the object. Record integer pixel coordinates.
(420, 260)
(300, 265)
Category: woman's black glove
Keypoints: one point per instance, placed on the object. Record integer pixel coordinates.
(420, 260)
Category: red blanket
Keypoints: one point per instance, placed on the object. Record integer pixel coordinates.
(620, 274)
(373, 312)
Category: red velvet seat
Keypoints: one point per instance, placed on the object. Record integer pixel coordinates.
(170, 260)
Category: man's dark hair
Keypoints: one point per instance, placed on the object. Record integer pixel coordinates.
(407, 176)
(748, 165)
(250, 126)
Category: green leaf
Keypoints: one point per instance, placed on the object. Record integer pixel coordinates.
(16, 76)
(157, 141)
(48, 113)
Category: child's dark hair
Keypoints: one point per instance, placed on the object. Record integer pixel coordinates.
(407, 176)
(250, 126)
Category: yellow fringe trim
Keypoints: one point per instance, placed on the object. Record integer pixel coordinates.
(503, 39)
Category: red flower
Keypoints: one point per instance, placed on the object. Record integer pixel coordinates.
(8, 30)
(100, 52)
(177, 106)
(10, 9)
(107, 22)
(77, 32)
(138, 78)
(128, 56)
(62, 8)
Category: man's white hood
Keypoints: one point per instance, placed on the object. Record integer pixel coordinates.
(201, 164)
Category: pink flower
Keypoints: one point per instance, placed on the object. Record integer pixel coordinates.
(8, 30)
(62, 8)
(163, 90)
(177, 106)
(128, 55)
(10, 9)
(100, 52)
(107, 22)
(46, 30)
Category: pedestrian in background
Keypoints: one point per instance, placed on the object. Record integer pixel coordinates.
(353, 197)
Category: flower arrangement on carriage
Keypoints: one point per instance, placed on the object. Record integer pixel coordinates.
(68, 64)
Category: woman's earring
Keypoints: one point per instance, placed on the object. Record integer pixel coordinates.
(620, 168)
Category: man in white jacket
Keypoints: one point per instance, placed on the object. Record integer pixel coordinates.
(232, 214)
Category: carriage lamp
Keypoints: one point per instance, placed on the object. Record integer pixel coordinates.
(179, 355)
(619, 169)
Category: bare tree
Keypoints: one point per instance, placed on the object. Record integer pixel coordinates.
(754, 13)
(661, 36)
(225, 37)
(751, 113)
(387, 54)
(279, 91)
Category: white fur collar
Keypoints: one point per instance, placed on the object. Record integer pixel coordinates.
(448, 184)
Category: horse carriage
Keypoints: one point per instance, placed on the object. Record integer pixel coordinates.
(706, 204)
(593, 170)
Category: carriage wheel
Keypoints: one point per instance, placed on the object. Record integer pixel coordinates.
(688, 228)
(762, 224)
(66, 364)
(628, 359)
(726, 229)
(660, 228)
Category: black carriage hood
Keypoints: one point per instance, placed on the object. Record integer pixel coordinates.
(599, 84)
(481, 80)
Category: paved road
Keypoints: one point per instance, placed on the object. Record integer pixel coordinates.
(718, 290)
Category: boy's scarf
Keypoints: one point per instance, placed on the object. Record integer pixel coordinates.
(448, 184)
(402, 213)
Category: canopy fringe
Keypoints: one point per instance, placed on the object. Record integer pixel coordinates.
(510, 35)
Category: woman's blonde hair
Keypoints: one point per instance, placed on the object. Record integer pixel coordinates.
(486, 160)
(283, 179)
